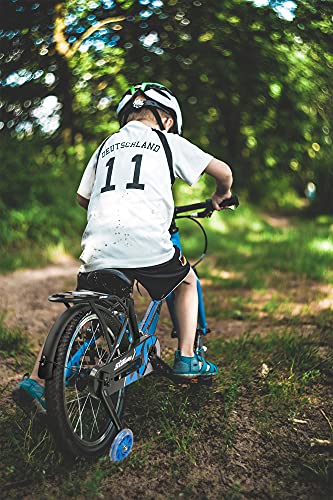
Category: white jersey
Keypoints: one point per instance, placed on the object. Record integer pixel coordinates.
(131, 204)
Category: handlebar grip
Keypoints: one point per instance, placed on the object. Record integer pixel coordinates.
(229, 202)
(207, 207)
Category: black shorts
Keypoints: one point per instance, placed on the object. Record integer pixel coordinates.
(158, 280)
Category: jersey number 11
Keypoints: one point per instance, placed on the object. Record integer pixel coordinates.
(137, 159)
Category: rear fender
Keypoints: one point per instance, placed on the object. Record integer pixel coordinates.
(46, 363)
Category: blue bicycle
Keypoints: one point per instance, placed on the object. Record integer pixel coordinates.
(96, 348)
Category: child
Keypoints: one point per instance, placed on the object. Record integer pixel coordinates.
(126, 189)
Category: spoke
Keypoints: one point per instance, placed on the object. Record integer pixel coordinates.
(72, 405)
(72, 400)
(79, 418)
(99, 407)
(81, 411)
(73, 413)
(98, 354)
(74, 408)
(90, 341)
(83, 355)
(95, 419)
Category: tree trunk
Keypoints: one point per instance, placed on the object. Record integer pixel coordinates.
(64, 86)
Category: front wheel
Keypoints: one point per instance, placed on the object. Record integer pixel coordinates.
(78, 419)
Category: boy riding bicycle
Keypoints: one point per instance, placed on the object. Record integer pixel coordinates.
(127, 191)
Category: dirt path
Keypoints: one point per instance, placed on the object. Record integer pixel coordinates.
(24, 298)
(24, 295)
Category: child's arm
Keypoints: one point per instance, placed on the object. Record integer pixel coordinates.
(83, 202)
(223, 176)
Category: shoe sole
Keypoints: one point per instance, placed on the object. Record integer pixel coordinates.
(27, 403)
(194, 375)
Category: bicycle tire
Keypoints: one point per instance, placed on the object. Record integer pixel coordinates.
(71, 435)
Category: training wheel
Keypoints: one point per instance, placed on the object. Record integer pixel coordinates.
(121, 445)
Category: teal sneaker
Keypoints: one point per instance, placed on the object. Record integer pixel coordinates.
(29, 396)
(193, 367)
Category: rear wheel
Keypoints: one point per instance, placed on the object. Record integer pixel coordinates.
(79, 420)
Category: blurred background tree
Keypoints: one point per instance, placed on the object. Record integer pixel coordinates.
(253, 79)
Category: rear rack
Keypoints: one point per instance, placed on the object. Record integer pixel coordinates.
(77, 296)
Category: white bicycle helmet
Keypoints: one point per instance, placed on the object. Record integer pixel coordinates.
(157, 96)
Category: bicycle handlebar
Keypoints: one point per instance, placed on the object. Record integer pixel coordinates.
(207, 206)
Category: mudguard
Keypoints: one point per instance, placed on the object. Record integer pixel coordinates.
(46, 363)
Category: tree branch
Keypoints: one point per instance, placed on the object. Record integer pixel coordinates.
(62, 46)
(76, 45)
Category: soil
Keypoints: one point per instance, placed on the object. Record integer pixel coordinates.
(252, 462)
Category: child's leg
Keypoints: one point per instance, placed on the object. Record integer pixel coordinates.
(187, 363)
(34, 373)
(186, 308)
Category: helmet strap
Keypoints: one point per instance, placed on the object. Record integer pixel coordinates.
(149, 104)
(157, 117)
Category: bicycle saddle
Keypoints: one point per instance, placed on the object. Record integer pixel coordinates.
(110, 281)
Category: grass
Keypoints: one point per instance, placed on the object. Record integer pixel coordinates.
(179, 430)
(12, 340)
(29, 254)
(246, 251)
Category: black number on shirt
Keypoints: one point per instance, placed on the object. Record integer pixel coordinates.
(108, 186)
(135, 184)
(137, 159)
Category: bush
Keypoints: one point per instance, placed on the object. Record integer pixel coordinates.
(38, 197)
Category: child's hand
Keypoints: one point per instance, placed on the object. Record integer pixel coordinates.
(217, 199)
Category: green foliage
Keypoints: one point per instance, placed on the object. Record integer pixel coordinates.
(254, 87)
(38, 209)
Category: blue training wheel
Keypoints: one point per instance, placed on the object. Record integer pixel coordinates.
(121, 445)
